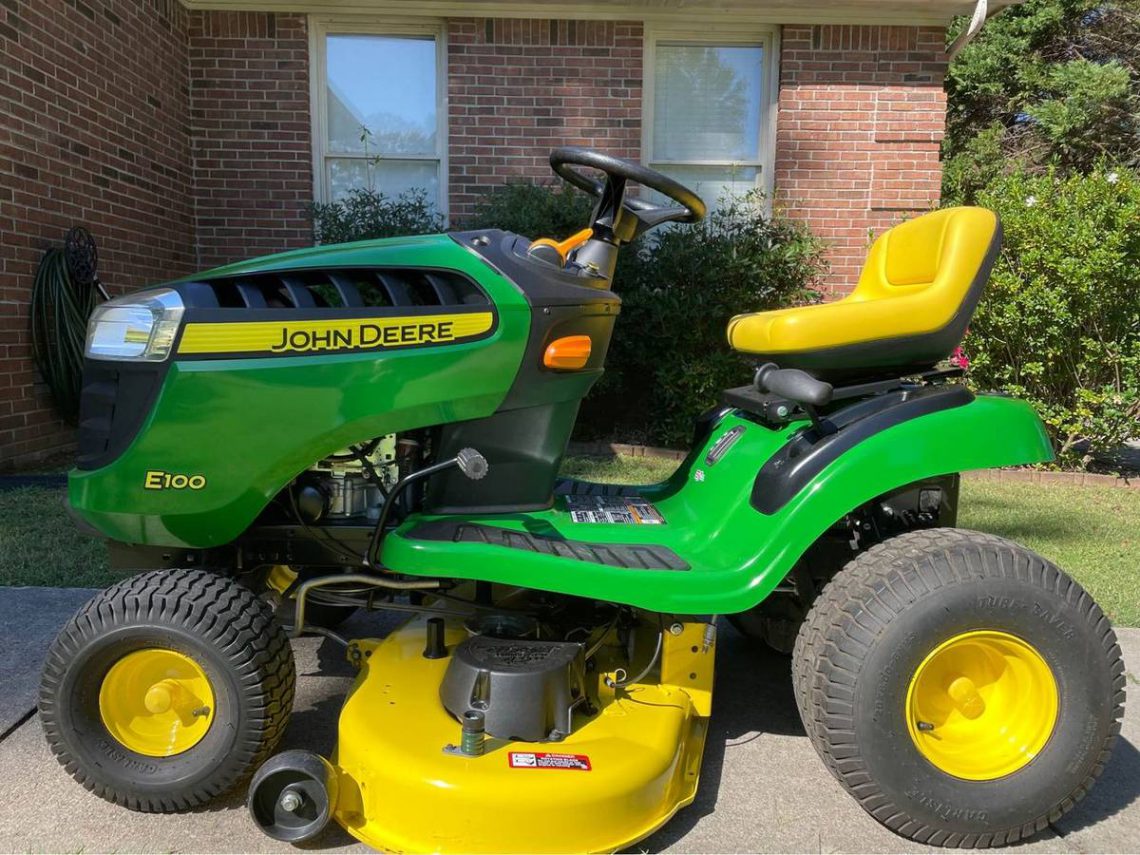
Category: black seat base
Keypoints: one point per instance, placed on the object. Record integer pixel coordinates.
(778, 410)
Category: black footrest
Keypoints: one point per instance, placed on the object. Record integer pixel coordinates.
(645, 556)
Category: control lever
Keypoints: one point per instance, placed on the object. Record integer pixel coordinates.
(793, 384)
(800, 388)
(469, 461)
(472, 464)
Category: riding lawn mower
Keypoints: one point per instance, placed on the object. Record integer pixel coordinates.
(380, 426)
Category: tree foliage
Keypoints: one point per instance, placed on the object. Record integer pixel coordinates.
(1047, 83)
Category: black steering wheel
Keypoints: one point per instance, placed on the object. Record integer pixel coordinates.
(617, 219)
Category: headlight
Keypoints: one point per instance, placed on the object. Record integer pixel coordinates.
(139, 327)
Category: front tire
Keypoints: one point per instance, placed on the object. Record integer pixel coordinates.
(926, 654)
(167, 689)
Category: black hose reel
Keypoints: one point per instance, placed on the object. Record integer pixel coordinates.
(65, 292)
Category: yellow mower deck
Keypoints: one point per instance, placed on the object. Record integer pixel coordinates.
(623, 772)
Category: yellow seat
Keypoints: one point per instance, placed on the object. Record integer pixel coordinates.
(918, 290)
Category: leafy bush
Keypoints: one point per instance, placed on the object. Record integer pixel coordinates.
(1060, 320)
(533, 210)
(364, 214)
(669, 359)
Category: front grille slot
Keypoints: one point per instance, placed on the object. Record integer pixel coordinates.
(299, 296)
(251, 295)
(379, 287)
(346, 290)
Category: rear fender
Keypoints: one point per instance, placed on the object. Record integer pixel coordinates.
(990, 431)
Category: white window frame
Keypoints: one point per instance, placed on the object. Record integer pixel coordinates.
(718, 33)
(320, 27)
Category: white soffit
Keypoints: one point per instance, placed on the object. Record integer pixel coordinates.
(933, 12)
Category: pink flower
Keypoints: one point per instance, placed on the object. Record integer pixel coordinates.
(959, 359)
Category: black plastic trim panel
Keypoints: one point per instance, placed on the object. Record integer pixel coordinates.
(627, 556)
(543, 284)
(791, 468)
(114, 400)
(525, 439)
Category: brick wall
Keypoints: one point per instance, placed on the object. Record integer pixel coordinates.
(93, 106)
(518, 88)
(249, 113)
(182, 139)
(861, 115)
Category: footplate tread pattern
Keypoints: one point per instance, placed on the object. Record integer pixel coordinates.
(624, 555)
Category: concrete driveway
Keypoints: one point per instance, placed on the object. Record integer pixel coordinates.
(762, 789)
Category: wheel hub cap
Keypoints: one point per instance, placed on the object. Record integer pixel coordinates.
(157, 702)
(981, 705)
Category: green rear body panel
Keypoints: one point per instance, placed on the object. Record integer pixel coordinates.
(249, 426)
(737, 555)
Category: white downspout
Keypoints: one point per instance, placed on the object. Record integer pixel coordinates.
(981, 12)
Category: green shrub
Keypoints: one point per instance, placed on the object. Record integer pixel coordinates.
(1060, 320)
(532, 210)
(364, 214)
(669, 359)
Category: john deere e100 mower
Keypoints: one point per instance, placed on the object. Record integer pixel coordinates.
(379, 425)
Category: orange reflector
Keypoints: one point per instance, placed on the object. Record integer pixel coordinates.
(568, 353)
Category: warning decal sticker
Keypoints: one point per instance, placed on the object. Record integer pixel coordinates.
(623, 510)
(544, 760)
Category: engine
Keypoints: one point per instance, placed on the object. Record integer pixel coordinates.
(353, 482)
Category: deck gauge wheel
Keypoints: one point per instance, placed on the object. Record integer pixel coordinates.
(291, 797)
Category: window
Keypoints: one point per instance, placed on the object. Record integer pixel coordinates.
(708, 116)
(379, 120)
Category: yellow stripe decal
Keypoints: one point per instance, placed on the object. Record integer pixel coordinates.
(332, 336)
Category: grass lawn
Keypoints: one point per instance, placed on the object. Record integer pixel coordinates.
(40, 545)
(1093, 532)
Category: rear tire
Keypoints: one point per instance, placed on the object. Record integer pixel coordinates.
(96, 700)
(859, 663)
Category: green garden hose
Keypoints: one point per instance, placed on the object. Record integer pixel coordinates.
(61, 304)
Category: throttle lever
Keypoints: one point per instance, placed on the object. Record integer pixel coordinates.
(468, 461)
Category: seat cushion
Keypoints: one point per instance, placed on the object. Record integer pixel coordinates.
(918, 289)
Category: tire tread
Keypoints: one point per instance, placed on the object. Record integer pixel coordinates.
(857, 605)
(222, 613)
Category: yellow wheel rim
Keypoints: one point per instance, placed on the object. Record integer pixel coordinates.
(157, 702)
(981, 705)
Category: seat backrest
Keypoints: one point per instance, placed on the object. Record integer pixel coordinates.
(944, 256)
